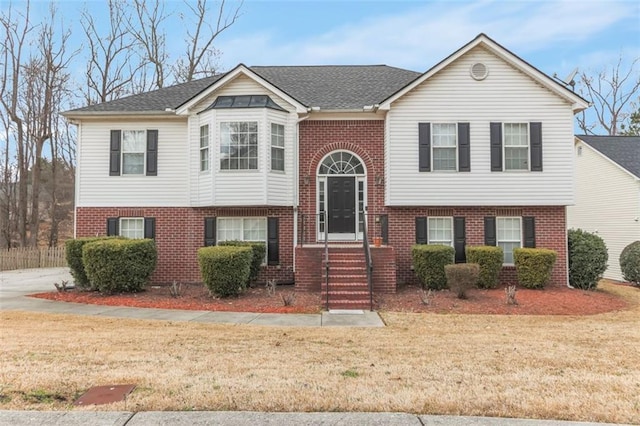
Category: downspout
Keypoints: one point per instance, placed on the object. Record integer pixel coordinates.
(296, 187)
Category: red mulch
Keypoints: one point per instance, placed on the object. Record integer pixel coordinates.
(550, 301)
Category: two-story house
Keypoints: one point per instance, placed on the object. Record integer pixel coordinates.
(477, 150)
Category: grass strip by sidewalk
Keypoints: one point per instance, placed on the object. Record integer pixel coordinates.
(548, 367)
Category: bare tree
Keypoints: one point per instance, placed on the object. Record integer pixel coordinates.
(201, 55)
(611, 92)
(113, 62)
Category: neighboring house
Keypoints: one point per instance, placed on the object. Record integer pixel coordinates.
(608, 192)
(477, 150)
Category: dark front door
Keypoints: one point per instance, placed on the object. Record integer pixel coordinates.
(342, 205)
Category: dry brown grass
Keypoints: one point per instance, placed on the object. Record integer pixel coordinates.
(574, 368)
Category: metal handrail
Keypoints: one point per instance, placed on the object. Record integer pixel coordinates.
(367, 257)
(326, 262)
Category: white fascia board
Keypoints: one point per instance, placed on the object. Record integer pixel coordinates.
(578, 104)
(230, 76)
(601, 155)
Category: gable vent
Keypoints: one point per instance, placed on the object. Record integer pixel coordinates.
(479, 71)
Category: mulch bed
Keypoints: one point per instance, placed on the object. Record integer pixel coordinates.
(550, 301)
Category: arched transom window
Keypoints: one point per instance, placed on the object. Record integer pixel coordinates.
(341, 163)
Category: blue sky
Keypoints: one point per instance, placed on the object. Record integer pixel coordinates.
(555, 36)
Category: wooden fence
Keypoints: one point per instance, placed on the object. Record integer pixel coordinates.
(24, 258)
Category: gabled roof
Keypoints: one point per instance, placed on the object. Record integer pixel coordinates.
(622, 150)
(578, 102)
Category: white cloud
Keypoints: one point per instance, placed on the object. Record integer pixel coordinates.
(420, 37)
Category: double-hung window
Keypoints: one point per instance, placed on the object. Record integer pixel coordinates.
(134, 146)
(132, 227)
(444, 146)
(509, 236)
(440, 231)
(204, 148)
(239, 145)
(516, 146)
(277, 147)
(242, 229)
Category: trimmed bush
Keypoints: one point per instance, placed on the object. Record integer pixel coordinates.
(534, 266)
(490, 259)
(429, 262)
(119, 265)
(587, 259)
(630, 263)
(73, 253)
(462, 277)
(259, 252)
(225, 270)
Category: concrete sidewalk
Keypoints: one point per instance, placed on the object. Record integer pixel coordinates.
(16, 285)
(201, 418)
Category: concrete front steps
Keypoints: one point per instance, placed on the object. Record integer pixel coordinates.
(348, 288)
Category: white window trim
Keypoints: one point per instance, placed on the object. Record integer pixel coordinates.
(120, 220)
(263, 219)
(206, 148)
(283, 147)
(122, 153)
(258, 144)
(504, 148)
(429, 241)
(433, 169)
(498, 241)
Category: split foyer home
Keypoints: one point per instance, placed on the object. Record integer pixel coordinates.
(311, 159)
(608, 193)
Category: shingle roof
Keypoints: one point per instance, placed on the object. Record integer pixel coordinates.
(327, 87)
(624, 150)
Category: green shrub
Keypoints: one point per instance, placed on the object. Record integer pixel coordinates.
(534, 266)
(490, 259)
(119, 265)
(587, 259)
(259, 252)
(630, 263)
(73, 253)
(429, 262)
(462, 277)
(225, 270)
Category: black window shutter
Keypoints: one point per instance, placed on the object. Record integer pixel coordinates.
(464, 148)
(273, 249)
(114, 153)
(421, 230)
(535, 130)
(209, 231)
(112, 226)
(152, 152)
(424, 147)
(529, 225)
(459, 239)
(495, 130)
(150, 227)
(490, 231)
(384, 228)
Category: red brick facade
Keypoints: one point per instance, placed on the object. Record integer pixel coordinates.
(180, 233)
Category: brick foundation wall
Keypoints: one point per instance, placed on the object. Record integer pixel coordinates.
(180, 233)
(550, 225)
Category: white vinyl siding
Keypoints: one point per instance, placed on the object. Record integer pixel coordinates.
(170, 188)
(134, 149)
(608, 205)
(204, 148)
(444, 143)
(440, 230)
(516, 146)
(131, 227)
(505, 96)
(509, 236)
